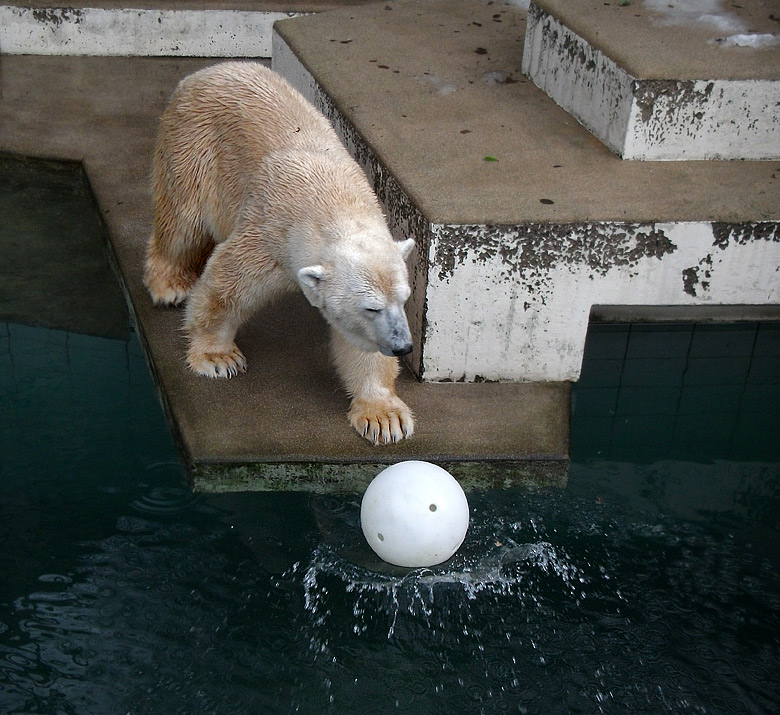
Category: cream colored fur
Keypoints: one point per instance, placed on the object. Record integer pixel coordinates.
(255, 196)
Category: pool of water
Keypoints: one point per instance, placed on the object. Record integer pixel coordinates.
(650, 584)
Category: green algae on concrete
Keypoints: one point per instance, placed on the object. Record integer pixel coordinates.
(319, 478)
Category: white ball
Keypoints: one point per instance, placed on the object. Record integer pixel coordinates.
(414, 514)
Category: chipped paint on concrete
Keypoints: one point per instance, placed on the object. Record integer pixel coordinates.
(648, 119)
(531, 250)
(704, 119)
(742, 233)
(56, 16)
(676, 96)
(528, 317)
(697, 279)
(136, 32)
(578, 77)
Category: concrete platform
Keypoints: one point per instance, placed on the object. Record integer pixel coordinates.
(712, 92)
(282, 425)
(524, 221)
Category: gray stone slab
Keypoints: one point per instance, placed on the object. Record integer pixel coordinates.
(169, 28)
(678, 40)
(524, 220)
(711, 92)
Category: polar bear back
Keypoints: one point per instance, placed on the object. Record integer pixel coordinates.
(221, 126)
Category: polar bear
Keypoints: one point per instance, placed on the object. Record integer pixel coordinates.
(254, 196)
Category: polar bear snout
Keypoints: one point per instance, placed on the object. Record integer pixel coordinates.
(397, 350)
(404, 350)
(393, 335)
(401, 341)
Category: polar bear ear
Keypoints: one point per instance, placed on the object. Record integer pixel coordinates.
(310, 279)
(406, 247)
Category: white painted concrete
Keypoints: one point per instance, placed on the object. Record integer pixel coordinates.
(659, 120)
(587, 83)
(136, 32)
(528, 318)
(285, 62)
(704, 120)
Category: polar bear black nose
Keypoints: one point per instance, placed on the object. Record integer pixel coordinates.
(403, 350)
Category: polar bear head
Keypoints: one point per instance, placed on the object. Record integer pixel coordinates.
(361, 289)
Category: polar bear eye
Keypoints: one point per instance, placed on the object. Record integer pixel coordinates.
(372, 310)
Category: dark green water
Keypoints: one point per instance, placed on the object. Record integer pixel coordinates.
(650, 584)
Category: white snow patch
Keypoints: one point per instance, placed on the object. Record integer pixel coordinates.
(436, 83)
(709, 13)
(751, 40)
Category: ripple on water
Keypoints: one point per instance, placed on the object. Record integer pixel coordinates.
(162, 490)
(163, 501)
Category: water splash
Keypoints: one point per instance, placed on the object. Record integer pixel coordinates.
(508, 570)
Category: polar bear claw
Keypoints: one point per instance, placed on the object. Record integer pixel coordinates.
(382, 422)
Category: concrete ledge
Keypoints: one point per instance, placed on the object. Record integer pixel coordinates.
(283, 424)
(323, 478)
(704, 100)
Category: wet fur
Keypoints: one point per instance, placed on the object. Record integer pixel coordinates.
(255, 196)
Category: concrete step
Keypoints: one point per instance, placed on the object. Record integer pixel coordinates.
(663, 81)
(524, 221)
(148, 28)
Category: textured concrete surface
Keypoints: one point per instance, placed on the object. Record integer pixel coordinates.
(703, 97)
(421, 83)
(677, 40)
(287, 6)
(432, 110)
(288, 409)
(170, 28)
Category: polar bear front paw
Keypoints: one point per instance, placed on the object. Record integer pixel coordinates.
(382, 422)
(217, 364)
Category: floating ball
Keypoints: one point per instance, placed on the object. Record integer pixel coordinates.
(414, 514)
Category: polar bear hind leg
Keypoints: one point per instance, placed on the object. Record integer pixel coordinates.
(176, 253)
